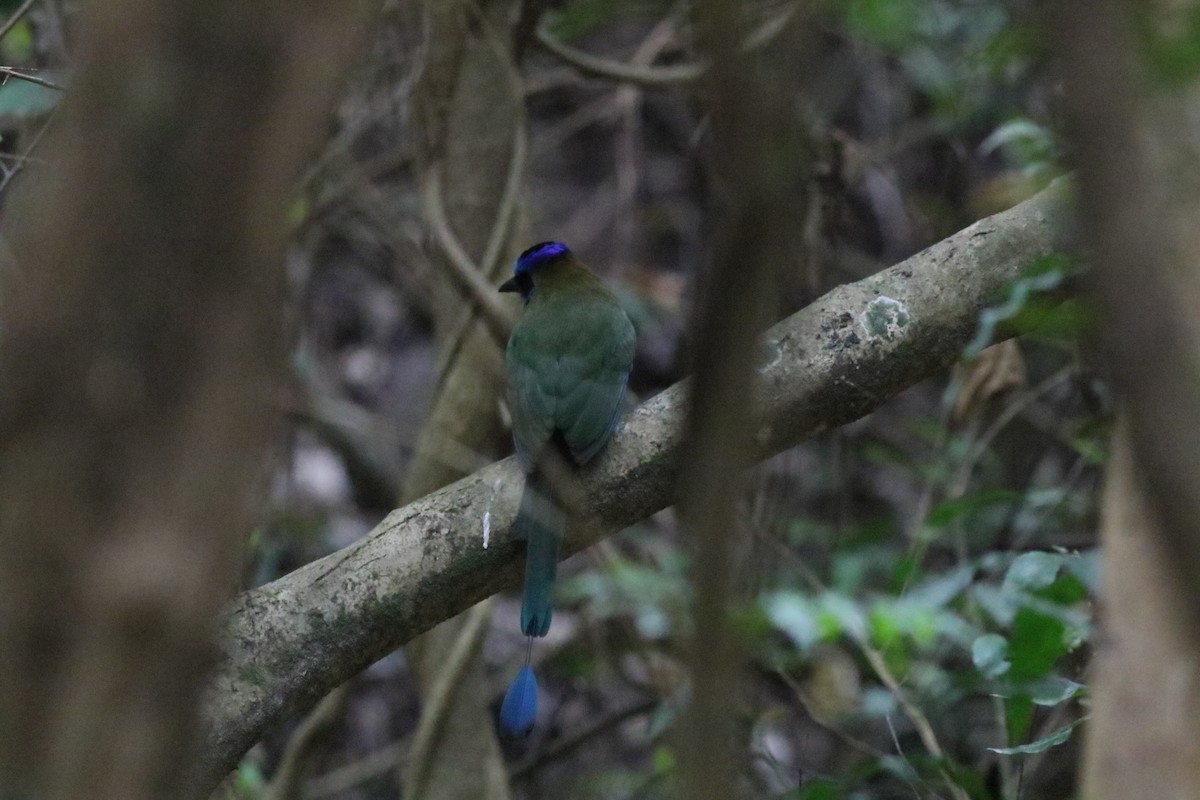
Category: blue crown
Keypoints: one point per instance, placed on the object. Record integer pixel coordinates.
(540, 253)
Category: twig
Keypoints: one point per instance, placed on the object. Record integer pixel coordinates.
(821, 719)
(598, 67)
(302, 742)
(25, 158)
(352, 774)
(16, 17)
(502, 223)
(359, 436)
(354, 177)
(567, 744)
(900, 752)
(495, 314)
(583, 117)
(25, 76)
(516, 162)
(647, 75)
(912, 711)
(627, 144)
(1011, 411)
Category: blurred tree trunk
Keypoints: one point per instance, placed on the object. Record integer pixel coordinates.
(1132, 107)
(472, 120)
(1144, 737)
(141, 354)
(759, 157)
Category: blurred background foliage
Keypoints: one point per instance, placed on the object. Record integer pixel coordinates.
(915, 592)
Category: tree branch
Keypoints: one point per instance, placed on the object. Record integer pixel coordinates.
(289, 642)
(600, 67)
(25, 76)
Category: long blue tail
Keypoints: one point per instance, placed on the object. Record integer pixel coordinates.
(518, 712)
(540, 523)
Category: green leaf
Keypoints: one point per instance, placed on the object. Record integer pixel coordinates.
(885, 633)
(938, 591)
(1001, 606)
(899, 767)
(1094, 450)
(1045, 743)
(820, 789)
(1018, 712)
(1044, 275)
(1035, 645)
(1032, 571)
(17, 45)
(1171, 50)
(1086, 566)
(841, 615)
(664, 761)
(904, 571)
(892, 621)
(890, 22)
(1066, 590)
(248, 779)
(990, 655)
(1064, 320)
(971, 780)
(795, 616)
(1053, 690)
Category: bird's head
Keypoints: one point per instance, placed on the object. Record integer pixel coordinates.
(530, 263)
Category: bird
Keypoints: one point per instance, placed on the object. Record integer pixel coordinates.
(568, 361)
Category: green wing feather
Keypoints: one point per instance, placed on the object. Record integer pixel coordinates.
(568, 363)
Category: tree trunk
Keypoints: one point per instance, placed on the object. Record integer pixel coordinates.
(1144, 736)
(473, 121)
(1138, 148)
(141, 359)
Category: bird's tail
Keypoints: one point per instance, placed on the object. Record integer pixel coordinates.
(540, 522)
(518, 712)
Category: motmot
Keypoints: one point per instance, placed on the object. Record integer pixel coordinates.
(568, 361)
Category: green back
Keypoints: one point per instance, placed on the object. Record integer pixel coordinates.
(568, 362)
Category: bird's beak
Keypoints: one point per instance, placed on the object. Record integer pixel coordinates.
(510, 285)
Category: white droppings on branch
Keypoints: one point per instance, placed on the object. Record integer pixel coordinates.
(487, 514)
